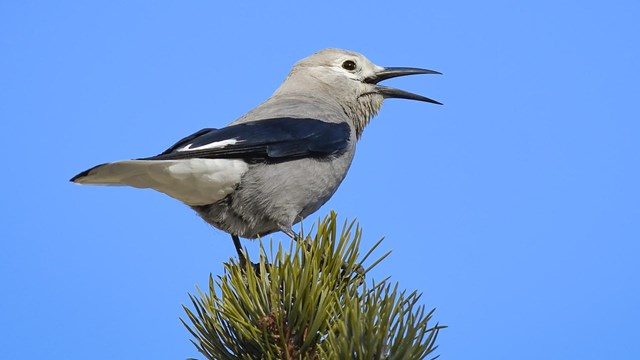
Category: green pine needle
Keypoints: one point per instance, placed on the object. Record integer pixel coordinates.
(310, 302)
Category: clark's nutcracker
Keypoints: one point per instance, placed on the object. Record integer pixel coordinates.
(278, 163)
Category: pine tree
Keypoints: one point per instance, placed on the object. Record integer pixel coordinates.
(310, 302)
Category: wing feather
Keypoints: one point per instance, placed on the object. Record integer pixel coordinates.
(269, 140)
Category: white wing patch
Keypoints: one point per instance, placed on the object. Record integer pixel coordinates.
(213, 145)
(192, 181)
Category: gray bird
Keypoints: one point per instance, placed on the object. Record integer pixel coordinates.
(278, 163)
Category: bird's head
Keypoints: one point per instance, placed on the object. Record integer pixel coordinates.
(352, 80)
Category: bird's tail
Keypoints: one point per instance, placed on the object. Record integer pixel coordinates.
(192, 181)
(136, 173)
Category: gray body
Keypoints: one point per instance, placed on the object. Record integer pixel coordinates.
(254, 198)
(276, 196)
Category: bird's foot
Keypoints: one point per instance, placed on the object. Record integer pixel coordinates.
(244, 265)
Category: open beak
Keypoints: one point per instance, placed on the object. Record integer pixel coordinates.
(389, 92)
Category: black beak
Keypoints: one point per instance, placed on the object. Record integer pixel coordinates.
(389, 92)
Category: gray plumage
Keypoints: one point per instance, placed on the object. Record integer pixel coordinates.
(278, 163)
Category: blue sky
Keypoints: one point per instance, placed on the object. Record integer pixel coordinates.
(514, 207)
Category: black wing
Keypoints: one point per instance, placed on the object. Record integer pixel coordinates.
(269, 140)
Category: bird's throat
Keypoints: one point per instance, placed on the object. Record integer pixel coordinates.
(361, 112)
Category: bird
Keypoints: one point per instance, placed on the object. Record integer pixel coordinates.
(280, 162)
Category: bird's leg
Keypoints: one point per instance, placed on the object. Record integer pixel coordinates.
(236, 243)
(292, 234)
(243, 259)
(297, 237)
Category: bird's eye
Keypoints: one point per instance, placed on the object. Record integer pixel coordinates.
(349, 65)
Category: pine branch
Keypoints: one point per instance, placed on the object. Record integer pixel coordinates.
(310, 302)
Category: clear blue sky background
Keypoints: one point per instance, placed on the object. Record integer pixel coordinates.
(515, 207)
